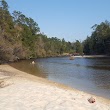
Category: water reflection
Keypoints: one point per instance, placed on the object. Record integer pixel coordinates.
(91, 75)
(26, 66)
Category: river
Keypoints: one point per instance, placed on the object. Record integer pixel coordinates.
(87, 74)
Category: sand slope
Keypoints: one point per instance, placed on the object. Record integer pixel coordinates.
(27, 92)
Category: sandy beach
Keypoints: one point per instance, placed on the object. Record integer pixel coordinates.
(22, 91)
(93, 56)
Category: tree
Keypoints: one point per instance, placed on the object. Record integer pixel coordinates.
(78, 47)
(4, 5)
(20, 37)
(99, 42)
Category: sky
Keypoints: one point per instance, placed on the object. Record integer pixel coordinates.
(68, 19)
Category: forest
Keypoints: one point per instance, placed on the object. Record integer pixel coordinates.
(20, 38)
(99, 41)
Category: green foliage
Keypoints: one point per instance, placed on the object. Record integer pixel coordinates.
(20, 38)
(99, 41)
(4, 5)
(78, 48)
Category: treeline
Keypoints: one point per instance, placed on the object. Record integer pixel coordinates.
(20, 38)
(99, 41)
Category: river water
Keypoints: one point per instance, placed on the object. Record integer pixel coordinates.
(87, 74)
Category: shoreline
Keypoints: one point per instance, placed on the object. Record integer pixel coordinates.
(93, 56)
(63, 97)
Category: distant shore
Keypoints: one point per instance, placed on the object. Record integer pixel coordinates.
(27, 92)
(94, 56)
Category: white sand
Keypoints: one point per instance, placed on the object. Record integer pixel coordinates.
(93, 56)
(27, 92)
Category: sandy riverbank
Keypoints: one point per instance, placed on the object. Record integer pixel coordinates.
(93, 56)
(22, 91)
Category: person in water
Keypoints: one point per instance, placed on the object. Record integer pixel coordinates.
(33, 62)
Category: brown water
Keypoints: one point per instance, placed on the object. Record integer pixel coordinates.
(88, 74)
